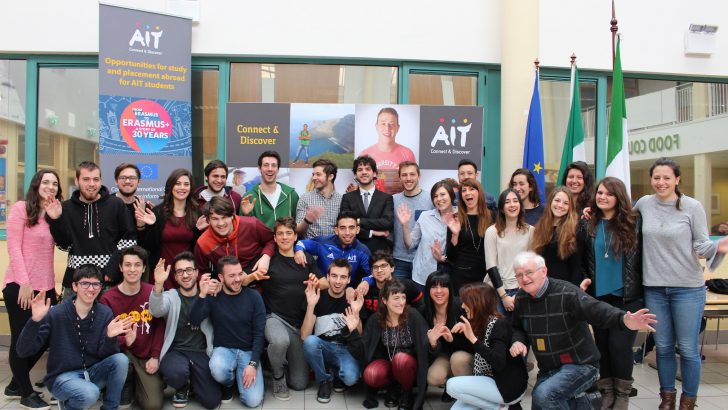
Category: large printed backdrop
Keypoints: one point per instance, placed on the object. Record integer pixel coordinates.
(144, 94)
(436, 137)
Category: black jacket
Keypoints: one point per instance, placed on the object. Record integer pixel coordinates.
(150, 238)
(93, 233)
(371, 348)
(631, 266)
(378, 217)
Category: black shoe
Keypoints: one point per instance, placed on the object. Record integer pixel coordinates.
(405, 401)
(179, 400)
(324, 392)
(34, 402)
(339, 385)
(127, 396)
(227, 394)
(13, 393)
(446, 398)
(390, 398)
(370, 398)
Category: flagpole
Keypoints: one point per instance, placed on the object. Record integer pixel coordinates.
(613, 29)
(571, 83)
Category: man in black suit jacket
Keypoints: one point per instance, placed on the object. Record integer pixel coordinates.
(374, 209)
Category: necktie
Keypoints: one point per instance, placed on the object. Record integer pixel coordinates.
(366, 201)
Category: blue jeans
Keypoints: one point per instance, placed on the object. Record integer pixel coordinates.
(679, 311)
(402, 269)
(227, 365)
(301, 148)
(564, 388)
(321, 354)
(75, 392)
(474, 392)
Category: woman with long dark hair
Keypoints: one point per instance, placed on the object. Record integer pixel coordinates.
(499, 378)
(509, 236)
(613, 268)
(674, 236)
(395, 350)
(30, 271)
(430, 231)
(580, 183)
(172, 226)
(451, 355)
(524, 183)
(465, 232)
(559, 239)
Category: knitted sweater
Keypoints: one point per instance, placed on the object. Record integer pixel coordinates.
(672, 241)
(30, 250)
(58, 331)
(556, 324)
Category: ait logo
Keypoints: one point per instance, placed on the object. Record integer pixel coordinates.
(146, 36)
(457, 129)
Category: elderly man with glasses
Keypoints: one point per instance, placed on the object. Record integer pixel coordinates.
(552, 316)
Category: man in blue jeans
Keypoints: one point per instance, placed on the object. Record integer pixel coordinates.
(81, 335)
(553, 316)
(330, 329)
(237, 315)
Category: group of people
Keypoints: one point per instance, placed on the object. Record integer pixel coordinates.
(397, 291)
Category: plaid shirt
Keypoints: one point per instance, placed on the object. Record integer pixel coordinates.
(324, 225)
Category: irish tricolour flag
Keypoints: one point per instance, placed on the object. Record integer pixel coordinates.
(617, 140)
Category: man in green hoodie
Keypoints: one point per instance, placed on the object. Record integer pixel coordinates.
(270, 199)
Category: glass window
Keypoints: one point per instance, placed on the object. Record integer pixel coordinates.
(685, 121)
(12, 134)
(68, 121)
(312, 83)
(555, 109)
(204, 121)
(437, 89)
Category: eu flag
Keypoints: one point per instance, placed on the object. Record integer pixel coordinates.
(533, 148)
(149, 171)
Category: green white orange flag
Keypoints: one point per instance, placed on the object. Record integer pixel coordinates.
(617, 139)
(574, 141)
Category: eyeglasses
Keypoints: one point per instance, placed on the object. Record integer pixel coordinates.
(379, 268)
(86, 285)
(186, 271)
(128, 178)
(528, 273)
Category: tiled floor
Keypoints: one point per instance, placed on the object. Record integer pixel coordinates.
(713, 389)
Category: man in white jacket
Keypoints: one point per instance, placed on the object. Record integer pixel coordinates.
(185, 356)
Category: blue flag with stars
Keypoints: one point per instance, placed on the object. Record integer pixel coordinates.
(533, 148)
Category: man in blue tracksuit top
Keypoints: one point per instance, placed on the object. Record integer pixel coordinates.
(341, 245)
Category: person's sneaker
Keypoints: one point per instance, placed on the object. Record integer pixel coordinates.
(127, 396)
(11, 392)
(280, 389)
(390, 397)
(324, 392)
(179, 400)
(339, 385)
(227, 394)
(33, 401)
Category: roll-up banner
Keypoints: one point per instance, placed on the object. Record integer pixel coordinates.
(144, 95)
(435, 137)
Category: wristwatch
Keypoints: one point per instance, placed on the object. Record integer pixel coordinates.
(254, 364)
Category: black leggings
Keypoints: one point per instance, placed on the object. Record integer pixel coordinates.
(20, 367)
(615, 345)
